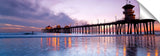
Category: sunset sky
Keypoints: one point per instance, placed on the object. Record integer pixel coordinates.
(33, 15)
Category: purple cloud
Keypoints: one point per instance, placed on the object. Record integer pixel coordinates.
(29, 14)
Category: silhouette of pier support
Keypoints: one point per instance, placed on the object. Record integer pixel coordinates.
(153, 26)
(104, 29)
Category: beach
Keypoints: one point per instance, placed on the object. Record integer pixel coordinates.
(51, 44)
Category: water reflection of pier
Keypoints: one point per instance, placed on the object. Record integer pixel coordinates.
(137, 41)
(129, 41)
(56, 42)
(130, 45)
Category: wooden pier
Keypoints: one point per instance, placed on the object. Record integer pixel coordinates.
(119, 27)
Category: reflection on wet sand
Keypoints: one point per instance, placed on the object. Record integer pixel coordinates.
(65, 42)
(156, 52)
(54, 41)
(117, 46)
(69, 42)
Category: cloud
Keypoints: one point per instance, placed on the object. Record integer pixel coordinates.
(17, 28)
(18, 14)
(13, 25)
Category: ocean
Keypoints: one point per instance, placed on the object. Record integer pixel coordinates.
(54, 44)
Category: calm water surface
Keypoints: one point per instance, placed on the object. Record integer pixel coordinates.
(81, 46)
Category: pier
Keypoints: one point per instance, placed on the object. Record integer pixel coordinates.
(128, 25)
(118, 27)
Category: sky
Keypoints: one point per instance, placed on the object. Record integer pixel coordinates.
(33, 15)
